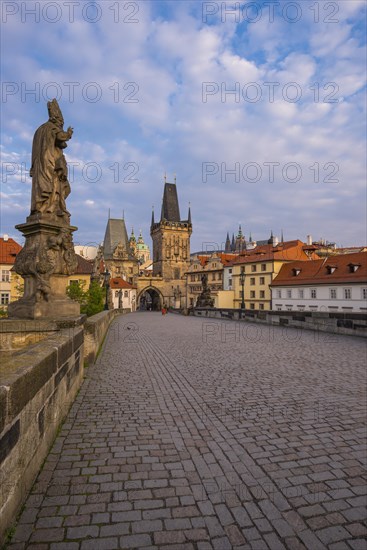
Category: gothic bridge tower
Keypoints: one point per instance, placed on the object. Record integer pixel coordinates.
(171, 239)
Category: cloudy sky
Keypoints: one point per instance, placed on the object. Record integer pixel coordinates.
(257, 107)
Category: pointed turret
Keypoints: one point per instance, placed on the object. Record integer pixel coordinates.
(233, 244)
(227, 247)
(170, 206)
(189, 214)
(152, 222)
(282, 237)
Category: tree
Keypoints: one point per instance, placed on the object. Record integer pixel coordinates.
(76, 291)
(91, 301)
(95, 302)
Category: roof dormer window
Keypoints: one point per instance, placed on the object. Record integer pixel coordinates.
(296, 271)
(330, 269)
(353, 267)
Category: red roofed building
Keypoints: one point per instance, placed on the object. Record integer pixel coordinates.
(336, 283)
(123, 294)
(259, 267)
(8, 251)
(212, 266)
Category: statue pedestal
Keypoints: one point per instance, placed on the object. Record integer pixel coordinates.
(45, 263)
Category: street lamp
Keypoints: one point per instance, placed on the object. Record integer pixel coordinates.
(242, 282)
(107, 276)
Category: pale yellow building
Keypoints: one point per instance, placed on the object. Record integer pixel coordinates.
(259, 267)
(83, 272)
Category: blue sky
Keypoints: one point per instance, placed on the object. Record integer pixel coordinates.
(147, 88)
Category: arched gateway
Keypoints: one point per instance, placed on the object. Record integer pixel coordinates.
(150, 299)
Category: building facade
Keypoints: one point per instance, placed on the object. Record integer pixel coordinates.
(259, 267)
(115, 255)
(334, 284)
(10, 282)
(213, 267)
(122, 294)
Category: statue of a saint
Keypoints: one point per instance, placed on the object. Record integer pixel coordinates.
(50, 185)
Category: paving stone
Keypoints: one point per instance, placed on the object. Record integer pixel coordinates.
(135, 541)
(198, 442)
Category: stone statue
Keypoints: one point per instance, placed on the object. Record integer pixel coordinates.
(49, 173)
(204, 298)
(48, 256)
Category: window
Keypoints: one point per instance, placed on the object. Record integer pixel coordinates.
(230, 270)
(229, 282)
(279, 308)
(262, 280)
(176, 273)
(296, 271)
(252, 280)
(74, 282)
(333, 293)
(364, 293)
(252, 294)
(116, 293)
(301, 293)
(5, 275)
(313, 293)
(348, 293)
(130, 269)
(289, 294)
(220, 276)
(252, 306)
(279, 293)
(4, 298)
(263, 267)
(192, 277)
(262, 293)
(213, 277)
(126, 294)
(261, 306)
(289, 308)
(253, 268)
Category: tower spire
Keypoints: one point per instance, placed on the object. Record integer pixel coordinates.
(152, 216)
(189, 215)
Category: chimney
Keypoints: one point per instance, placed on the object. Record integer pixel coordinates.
(309, 239)
(6, 237)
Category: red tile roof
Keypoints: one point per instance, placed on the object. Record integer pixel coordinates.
(223, 257)
(317, 272)
(85, 267)
(118, 282)
(289, 250)
(8, 251)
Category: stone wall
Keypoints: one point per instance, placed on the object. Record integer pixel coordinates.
(38, 386)
(354, 324)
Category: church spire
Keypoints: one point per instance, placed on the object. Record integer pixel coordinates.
(227, 247)
(189, 215)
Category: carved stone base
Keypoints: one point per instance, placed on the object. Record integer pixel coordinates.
(45, 263)
(58, 304)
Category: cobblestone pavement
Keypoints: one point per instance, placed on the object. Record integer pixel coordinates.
(197, 434)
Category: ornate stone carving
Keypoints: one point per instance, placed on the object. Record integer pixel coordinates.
(205, 299)
(48, 255)
(50, 185)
